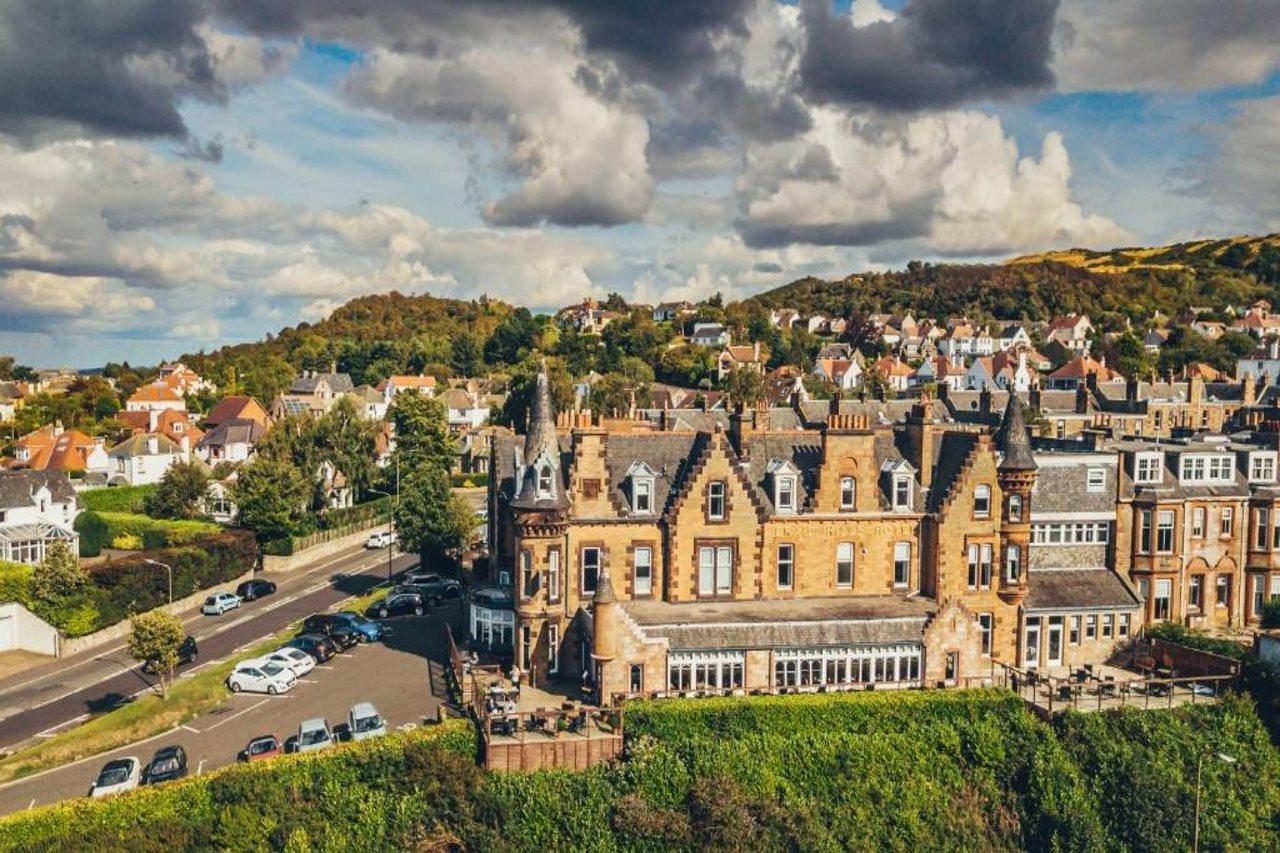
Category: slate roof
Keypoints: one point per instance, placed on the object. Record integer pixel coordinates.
(17, 487)
(338, 383)
(1079, 589)
(234, 431)
(136, 445)
(783, 623)
(669, 454)
(1064, 488)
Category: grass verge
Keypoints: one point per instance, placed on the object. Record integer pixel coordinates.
(144, 717)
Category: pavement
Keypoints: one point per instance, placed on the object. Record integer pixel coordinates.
(42, 701)
(403, 677)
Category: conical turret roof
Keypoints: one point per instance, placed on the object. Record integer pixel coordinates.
(541, 433)
(1012, 439)
(541, 453)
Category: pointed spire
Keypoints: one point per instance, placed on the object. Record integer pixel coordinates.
(1012, 440)
(541, 432)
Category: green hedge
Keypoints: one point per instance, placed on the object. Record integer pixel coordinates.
(373, 795)
(15, 583)
(919, 770)
(93, 532)
(151, 532)
(369, 512)
(116, 498)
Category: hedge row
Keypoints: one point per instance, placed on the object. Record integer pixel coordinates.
(128, 585)
(373, 795)
(892, 771)
(135, 532)
(365, 513)
(116, 498)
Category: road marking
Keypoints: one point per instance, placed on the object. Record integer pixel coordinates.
(188, 728)
(98, 757)
(236, 714)
(200, 767)
(32, 804)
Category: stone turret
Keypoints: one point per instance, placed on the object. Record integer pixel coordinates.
(1016, 475)
(541, 485)
(604, 637)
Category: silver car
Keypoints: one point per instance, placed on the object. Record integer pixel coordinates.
(364, 722)
(314, 735)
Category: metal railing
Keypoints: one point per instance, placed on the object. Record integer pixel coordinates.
(1088, 690)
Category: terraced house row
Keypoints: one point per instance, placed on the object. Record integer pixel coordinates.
(786, 547)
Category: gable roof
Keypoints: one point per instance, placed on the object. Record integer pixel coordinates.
(155, 393)
(17, 488)
(339, 383)
(236, 406)
(138, 445)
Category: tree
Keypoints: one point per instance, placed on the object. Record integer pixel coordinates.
(180, 493)
(156, 638)
(744, 385)
(466, 355)
(513, 338)
(59, 576)
(422, 433)
(429, 517)
(271, 497)
(343, 437)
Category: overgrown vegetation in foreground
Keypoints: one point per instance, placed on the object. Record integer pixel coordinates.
(896, 771)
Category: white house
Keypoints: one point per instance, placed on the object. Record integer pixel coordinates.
(667, 312)
(1013, 335)
(154, 398)
(464, 410)
(141, 459)
(845, 373)
(1071, 331)
(230, 441)
(36, 508)
(217, 502)
(710, 335)
(1265, 360)
(392, 385)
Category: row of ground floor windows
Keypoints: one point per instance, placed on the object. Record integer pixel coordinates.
(798, 668)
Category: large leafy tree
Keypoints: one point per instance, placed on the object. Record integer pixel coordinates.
(429, 517)
(271, 497)
(180, 492)
(422, 434)
(59, 576)
(345, 438)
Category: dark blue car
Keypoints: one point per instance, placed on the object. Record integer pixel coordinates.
(369, 631)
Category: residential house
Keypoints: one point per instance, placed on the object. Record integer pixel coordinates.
(1154, 340)
(52, 448)
(232, 441)
(711, 335)
(783, 318)
(895, 373)
(370, 402)
(1161, 407)
(176, 424)
(745, 357)
(155, 398)
(313, 393)
(949, 371)
(237, 407)
(1076, 371)
(1210, 329)
(337, 491)
(1071, 331)
(844, 373)
(588, 318)
(672, 312)
(1263, 364)
(183, 380)
(142, 459)
(37, 508)
(392, 385)
(1258, 320)
(1013, 335)
(465, 411)
(967, 340)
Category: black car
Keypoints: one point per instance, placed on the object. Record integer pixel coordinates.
(187, 653)
(397, 604)
(318, 646)
(337, 629)
(432, 588)
(166, 765)
(255, 589)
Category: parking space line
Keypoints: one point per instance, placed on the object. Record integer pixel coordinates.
(200, 767)
(236, 714)
(189, 728)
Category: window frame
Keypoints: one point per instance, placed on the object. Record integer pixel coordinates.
(898, 561)
(642, 487)
(718, 548)
(982, 501)
(789, 562)
(849, 489)
(637, 564)
(842, 562)
(1095, 473)
(582, 565)
(721, 514)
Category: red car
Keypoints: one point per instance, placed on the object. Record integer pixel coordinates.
(263, 746)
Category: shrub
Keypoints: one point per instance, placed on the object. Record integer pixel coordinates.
(116, 499)
(156, 533)
(282, 547)
(15, 583)
(1271, 613)
(127, 542)
(366, 513)
(93, 533)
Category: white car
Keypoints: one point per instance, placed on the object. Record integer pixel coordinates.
(260, 675)
(117, 776)
(381, 539)
(364, 722)
(216, 605)
(295, 660)
(314, 735)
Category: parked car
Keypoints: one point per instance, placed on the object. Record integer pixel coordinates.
(318, 646)
(259, 675)
(328, 624)
(431, 587)
(364, 722)
(117, 776)
(261, 748)
(166, 765)
(216, 605)
(314, 735)
(381, 539)
(255, 589)
(187, 653)
(368, 630)
(295, 660)
(397, 604)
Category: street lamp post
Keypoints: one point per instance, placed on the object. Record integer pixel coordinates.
(391, 520)
(1225, 759)
(167, 568)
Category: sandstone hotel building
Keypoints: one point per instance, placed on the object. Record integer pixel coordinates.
(766, 549)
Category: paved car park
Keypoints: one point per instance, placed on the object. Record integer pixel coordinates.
(402, 677)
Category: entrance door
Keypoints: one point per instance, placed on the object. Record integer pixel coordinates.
(1031, 648)
(1055, 641)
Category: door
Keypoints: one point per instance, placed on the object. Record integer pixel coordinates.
(1055, 641)
(1031, 648)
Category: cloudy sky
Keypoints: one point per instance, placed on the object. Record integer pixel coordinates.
(176, 174)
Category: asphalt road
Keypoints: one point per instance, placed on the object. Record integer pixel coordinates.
(401, 676)
(40, 703)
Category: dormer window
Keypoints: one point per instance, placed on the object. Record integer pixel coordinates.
(544, 481)
(642, 496)
(785, 494)
(1146, 467)
(1262, 467)
(901, 491)
(848, 493)
(1202, 468)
